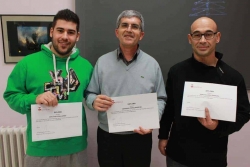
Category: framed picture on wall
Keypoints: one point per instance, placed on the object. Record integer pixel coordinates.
(24, 34)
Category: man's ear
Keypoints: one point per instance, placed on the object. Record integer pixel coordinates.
(218, 36)
(51, 32)
(189, 38)
(116, 33)
(142, 35)
(78, 36)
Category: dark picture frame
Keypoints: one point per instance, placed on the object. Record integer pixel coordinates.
(24, 34)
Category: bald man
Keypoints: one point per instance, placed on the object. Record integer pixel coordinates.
(200, 142)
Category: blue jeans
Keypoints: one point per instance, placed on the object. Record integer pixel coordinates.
(172, 163)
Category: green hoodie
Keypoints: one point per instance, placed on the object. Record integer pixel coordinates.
(36, 74)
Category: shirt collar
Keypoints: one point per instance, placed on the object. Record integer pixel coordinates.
(120, 55)
(218, 55)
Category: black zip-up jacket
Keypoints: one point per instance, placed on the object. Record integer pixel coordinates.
(189, 142)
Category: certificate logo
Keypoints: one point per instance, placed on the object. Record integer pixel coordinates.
(194, 86)
(40, 108)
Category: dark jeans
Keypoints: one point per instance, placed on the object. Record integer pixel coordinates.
(130, 150)
(172, 163)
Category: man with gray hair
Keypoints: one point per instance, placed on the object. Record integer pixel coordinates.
(125, 71)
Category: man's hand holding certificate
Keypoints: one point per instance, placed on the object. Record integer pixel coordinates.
(220, 100)
(131, 112)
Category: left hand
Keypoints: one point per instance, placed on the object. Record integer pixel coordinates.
(209, 123)
(143, 131)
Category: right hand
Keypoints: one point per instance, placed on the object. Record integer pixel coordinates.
(47, 98)
(143, 131)
(162, 146)
(102, 103)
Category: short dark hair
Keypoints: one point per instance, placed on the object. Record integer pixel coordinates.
(66, 15)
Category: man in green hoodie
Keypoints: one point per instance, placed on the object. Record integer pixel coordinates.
(51, 76)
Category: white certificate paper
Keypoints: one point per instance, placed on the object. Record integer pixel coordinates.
(61, 121)
(129, 112)
(220, 100)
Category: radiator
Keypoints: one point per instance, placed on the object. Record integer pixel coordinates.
(12, 146)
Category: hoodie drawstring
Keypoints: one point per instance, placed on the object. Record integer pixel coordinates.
(67, 69)
(54, 63)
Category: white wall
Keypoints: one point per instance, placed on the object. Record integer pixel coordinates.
(239, 145)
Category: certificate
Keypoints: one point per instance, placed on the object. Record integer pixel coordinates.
(129, 112)
(219, 99)
(61, 121)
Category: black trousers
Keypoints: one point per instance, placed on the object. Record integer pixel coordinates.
(130, 150)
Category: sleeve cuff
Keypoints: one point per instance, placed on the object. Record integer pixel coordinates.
(90, 100)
